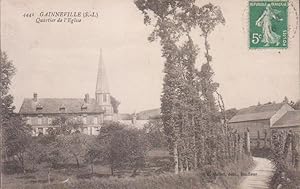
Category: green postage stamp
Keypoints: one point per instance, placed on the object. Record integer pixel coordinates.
(268, 24)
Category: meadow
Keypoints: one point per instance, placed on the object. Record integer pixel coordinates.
(155, 174)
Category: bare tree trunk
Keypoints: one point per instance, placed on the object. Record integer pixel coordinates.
(195, 147)
(265, 139)
(176, 160)
(228, 146)
(112, 170)
(287, 143)
(295, 153)
(202, 149)
(77, 162)
(195, 159)
(181, 169)
(186, 164)
(48, 176)
(247, 142)
(92, 167)
(21, 160)
(258, 139)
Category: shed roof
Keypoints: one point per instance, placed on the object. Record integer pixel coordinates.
(55, 105)
(259, 112)
(289, 119)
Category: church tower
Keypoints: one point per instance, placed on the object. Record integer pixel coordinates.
(102, 90)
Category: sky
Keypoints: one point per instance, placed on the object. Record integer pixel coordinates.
(59, 60)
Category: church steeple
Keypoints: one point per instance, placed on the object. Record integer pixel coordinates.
(102, 84)
(102, 89)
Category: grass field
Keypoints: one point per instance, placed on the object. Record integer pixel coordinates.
(156, 171)
(157, 162)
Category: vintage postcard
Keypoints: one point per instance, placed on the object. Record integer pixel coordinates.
(150, 94)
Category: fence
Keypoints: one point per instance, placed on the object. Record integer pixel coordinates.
(238, 145)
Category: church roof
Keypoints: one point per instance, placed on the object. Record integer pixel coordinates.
(289, 119)
(102, 83)
(59, 105)
(259, 112)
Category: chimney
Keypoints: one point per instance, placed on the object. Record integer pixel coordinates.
(35, 97)
(87, 98)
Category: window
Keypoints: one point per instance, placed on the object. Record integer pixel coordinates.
(95, 120)
(84, 107)
(85, 131)
(62, 108)
(28, 121)
(39, 107)
(49, 121)
(40, 131)
(84, 120)
(39, 121)
(104, 98)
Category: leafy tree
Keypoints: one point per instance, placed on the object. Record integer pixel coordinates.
(285, 100)
(230, 113)
(16, 139)
(155, 133)
(115, 104)
(296, 105)
(188, 104)
(49, 150)
(7, 71)
(121, 147)
(74, 146)
(15, 134)
(93, 152)
(67, 125)
(35, 152)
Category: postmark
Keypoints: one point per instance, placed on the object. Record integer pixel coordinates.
(268, 24)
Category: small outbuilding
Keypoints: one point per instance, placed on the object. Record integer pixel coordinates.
(289, 121)
(260, 119)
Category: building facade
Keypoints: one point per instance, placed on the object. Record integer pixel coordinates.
(261, 119)
(91, 112)
(289, 121)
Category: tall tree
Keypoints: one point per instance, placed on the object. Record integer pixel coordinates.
(15, 135)
(185, 89)
(7, 71)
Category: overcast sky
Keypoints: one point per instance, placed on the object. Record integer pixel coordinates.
(59, 60)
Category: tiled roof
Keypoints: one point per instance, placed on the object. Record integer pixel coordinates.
(56, 105)
(259, 112)
(289, 119)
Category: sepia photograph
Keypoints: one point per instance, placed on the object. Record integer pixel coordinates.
(149, 94)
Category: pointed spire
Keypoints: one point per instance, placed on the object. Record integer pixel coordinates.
(102, 83)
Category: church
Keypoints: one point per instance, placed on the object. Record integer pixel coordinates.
(91, 112)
